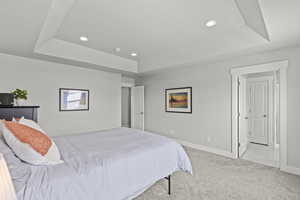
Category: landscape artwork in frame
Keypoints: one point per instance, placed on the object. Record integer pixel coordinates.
(179, 100)
(73, 99)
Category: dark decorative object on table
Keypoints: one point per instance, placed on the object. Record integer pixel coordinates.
(6, 99)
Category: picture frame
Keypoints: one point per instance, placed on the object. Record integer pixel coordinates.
(71, 99)
(178, 100)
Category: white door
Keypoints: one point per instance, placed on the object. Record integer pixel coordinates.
(137, 107)
(243, 117)
(258, 110)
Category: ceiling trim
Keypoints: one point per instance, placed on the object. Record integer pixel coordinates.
(47, 44)
(253, 17)
(71, 51)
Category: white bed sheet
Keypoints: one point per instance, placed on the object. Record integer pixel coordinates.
(117, 164)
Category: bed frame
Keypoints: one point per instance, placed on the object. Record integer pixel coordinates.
(169, 184)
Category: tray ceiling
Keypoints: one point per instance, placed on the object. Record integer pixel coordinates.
(162, 33)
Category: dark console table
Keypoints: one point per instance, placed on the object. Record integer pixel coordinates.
(29, 112)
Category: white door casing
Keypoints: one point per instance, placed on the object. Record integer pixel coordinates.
(243, 118)
(137, 107)
(281, 67)
(258, 106)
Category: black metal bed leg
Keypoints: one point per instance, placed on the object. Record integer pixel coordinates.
(169, 185)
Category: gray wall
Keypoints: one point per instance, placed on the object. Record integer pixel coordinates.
(43, 80)
(210, 123)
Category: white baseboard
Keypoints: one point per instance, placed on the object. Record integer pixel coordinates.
(291, 170)
(288, 169)
(270, 163)
(206, 148)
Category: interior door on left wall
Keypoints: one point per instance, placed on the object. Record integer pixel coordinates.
(137, 107)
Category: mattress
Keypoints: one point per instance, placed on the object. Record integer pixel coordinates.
(117, 164)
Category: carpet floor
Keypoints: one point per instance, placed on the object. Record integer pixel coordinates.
(219, 178)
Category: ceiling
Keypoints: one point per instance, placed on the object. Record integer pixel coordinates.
(163, 33)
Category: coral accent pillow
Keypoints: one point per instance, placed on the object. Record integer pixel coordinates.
(36, 139)
(29, 144)
(53, 153)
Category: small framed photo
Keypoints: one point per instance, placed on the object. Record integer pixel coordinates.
(73, 99)
(178, 100)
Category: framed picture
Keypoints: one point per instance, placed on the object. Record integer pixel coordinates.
(73, 99)
(179, 100)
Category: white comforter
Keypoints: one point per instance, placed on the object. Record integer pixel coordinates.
(108, 165)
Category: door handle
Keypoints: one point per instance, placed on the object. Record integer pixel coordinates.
(264, 115)
(141, 113)
(246, 117)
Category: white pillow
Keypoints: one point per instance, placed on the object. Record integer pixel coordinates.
(26, 153)
(32, 124)
(53, 153)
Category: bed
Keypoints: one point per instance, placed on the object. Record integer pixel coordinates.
(117, 164)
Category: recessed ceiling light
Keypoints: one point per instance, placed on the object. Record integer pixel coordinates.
(117, 49)
(84, 38)
(133, 54)
(211, 23)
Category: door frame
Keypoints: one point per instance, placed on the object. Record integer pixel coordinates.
(280, 66)
(242, 90)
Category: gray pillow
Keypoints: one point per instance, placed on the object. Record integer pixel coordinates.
(19, 170)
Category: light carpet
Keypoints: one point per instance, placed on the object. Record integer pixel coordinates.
(219, 178)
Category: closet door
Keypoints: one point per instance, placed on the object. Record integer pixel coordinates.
(258, 112)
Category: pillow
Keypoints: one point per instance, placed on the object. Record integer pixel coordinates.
(19, 170)
(53, 154)
(2, 121)
(31, 123)
(30, 145)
